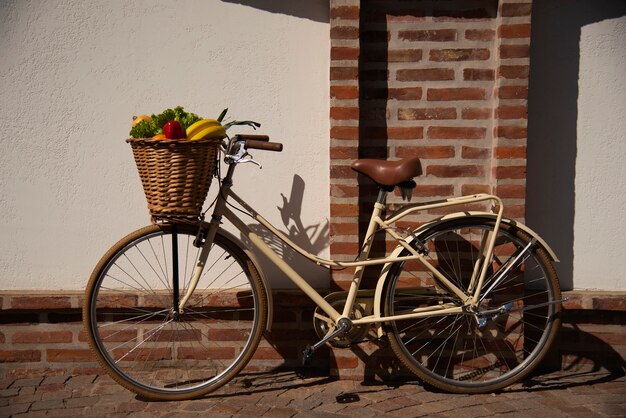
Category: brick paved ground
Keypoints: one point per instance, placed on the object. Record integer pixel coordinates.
(584, 393)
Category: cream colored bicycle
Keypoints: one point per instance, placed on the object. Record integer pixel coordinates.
(470, 301)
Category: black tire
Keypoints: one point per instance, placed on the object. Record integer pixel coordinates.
(140, 339)
(453, 352)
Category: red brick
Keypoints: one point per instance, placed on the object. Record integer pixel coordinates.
(378, 132)
(514, 71)
(68, 355)
(512, 112)
(511, 191)
(433, 152)
(513, 92)
(478, 74)
(510, 172)
(342, 172)
(414, 132)
(407, 93)
(474, 153)
(468, 189)
(521, 30)
(344, 132)
(344, 229)
(445, 132)
(516, 9)
(515, 211)
(446, 55)
(344, 92)
(512, 132)
(176, 335)
(404, 55)
(343, 361)
(480, 34)
(437, 113)
(433, 190)
(201, 353)
(514, 51)
(344, 113)
(42, 337)
(344, 53)
(476, 113)
(426, 74)
(510, 152)
(346, 248)
(344, 153)
(435, 35)
(343, 209)
(40, 302)
(227, 334)
(345, 12)
(458, 93)
(455, 171)
(19, 356)
(344, 73)
(344, 32)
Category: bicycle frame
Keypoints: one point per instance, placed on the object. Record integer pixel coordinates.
(376, 223)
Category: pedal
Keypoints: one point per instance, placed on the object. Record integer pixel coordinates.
(307, 355)
(343, 325)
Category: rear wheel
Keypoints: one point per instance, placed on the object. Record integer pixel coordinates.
(141, 338)
(513, 327)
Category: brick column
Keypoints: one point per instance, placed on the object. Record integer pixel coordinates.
(511, 133)
(444, 81)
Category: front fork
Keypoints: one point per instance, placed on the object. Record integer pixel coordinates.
(211, 232)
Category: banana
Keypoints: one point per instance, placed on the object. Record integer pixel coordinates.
(212, 132)
(205, 128)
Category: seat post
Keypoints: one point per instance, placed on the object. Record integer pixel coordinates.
(382, 195)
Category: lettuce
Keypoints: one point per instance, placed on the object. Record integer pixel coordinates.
(145, 129)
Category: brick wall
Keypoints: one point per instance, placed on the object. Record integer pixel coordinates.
(444, 81)
(41, 334)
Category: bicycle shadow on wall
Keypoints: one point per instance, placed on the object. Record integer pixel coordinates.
(313, 239)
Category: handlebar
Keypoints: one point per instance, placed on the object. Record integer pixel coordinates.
(259, 142)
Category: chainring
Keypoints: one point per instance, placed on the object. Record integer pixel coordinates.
(323, 325)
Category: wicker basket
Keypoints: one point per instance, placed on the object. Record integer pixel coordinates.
(176, 175)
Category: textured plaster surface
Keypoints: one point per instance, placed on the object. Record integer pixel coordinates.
(73, 73)
(600, 216)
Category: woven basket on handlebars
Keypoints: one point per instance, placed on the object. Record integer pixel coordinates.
(175, 174)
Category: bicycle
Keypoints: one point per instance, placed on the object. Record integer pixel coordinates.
(469, 301)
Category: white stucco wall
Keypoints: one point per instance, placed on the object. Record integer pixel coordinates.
(600, 186)
(73, 73)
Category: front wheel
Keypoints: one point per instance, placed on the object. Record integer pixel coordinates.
(145, 342)
(510, 331)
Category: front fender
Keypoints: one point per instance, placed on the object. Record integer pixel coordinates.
(382, 281)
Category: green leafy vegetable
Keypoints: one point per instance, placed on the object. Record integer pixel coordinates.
(148, 129)
(145, 129)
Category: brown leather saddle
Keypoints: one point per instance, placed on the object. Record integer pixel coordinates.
(389, 174)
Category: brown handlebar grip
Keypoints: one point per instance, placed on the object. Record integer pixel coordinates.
(254, 137)
(262, 145)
